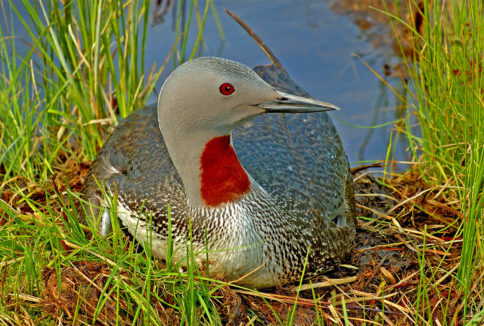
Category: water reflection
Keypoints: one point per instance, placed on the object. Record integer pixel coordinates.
(375, 26)
(160, 10)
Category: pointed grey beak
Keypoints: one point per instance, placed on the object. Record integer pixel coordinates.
(288, 103)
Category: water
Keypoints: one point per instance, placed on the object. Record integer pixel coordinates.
(315, 40)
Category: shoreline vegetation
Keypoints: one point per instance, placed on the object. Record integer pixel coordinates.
(419, 253)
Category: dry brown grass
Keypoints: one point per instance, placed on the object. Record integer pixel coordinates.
(404, 246)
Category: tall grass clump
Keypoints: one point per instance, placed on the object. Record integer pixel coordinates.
(447, 95)
(84, 65)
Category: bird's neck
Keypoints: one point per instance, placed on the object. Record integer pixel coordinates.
(222, 177)
(209, 168)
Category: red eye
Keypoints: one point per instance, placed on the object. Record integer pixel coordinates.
(226, 89)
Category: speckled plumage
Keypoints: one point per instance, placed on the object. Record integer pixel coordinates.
(305, 200)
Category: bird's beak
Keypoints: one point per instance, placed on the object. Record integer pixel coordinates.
(288, 103)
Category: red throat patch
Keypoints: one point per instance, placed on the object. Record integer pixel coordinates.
(222, 177)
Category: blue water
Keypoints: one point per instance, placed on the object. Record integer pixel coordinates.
(315, 44)
(317, 47)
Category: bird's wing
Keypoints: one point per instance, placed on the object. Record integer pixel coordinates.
(134, 162)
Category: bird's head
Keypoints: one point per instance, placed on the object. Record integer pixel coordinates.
(215, 94)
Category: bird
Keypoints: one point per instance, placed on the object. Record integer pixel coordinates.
(255, 176)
